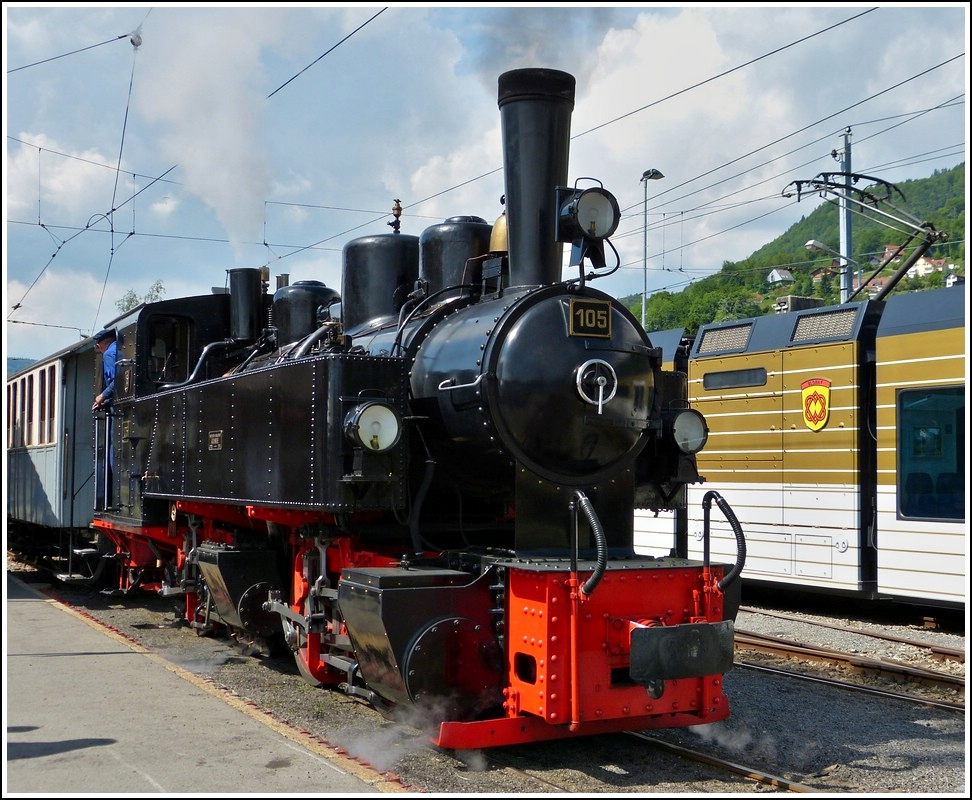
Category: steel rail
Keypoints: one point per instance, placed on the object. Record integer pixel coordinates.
(757, 775)
(949, 653)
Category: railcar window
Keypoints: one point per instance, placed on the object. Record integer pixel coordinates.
(11, 414)
(42, 407)
(21, 413)
(931, 453)
(52, 384)
(29, 412)
(734, 378)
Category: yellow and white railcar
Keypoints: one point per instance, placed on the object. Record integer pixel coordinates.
(922, 480)
(824, 424)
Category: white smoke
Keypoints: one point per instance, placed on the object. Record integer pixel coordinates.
(203, 85)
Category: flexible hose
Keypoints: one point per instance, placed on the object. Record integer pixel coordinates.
(737, 568)
(599, 539)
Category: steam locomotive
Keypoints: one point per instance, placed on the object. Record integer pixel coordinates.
(424, 485)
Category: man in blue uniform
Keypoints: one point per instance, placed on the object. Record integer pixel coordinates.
(108, 347)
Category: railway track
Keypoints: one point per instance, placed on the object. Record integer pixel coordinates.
(736, 756)
(750, 775)
(894, 671)
(760, 776)
(940, 652)
(856, 687)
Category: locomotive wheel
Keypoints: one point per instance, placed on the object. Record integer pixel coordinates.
(201, 624)
(298, 640)
(301, 656)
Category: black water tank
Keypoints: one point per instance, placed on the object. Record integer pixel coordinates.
(379, 273)
(445, 251)
(295, 309)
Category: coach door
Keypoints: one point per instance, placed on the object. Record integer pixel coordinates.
(822, 453)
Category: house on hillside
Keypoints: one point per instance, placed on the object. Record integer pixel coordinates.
(779, 277)
(796, 303)
(824, 272)
(889, 250)
(925, 266)
(874, 286)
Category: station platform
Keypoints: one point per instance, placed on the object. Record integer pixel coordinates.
(86, 714)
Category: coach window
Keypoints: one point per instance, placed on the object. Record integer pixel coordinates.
(29, 434)
(52, 385)
(42, 407)
(22, 414)
(931, 453)
(12, 415)
(734, 379)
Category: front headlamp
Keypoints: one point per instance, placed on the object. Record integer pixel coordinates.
(374, 426)
(690, 431)
(586, 217)
(591, 214)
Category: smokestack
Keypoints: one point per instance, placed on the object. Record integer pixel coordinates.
(535, 109)
(246, 292)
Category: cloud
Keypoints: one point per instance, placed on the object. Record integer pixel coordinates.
(210, 110)
(373, 104)
(49, 181)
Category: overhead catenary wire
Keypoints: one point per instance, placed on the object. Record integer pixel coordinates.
(136, 41)
(327, 52)
(72, 53)
(681, 214)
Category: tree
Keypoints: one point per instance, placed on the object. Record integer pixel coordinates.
(130, 299)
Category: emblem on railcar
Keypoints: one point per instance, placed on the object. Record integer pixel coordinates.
(816, 402)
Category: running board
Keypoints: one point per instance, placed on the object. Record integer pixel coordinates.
(74, 577)
(84, 554)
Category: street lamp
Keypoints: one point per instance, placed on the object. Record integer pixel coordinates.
(647, 175)
(813, 244)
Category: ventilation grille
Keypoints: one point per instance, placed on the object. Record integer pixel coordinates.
(837, 324)
(734, 337)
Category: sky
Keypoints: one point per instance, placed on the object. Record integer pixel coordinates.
(173, 143)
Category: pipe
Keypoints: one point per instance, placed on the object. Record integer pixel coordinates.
(737, 568)
(316, 336)
(225, 343)
(579, 595)
(600, 540)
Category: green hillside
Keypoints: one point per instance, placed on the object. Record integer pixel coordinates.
(740, 289)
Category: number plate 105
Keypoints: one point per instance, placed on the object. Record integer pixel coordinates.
(590, 318)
